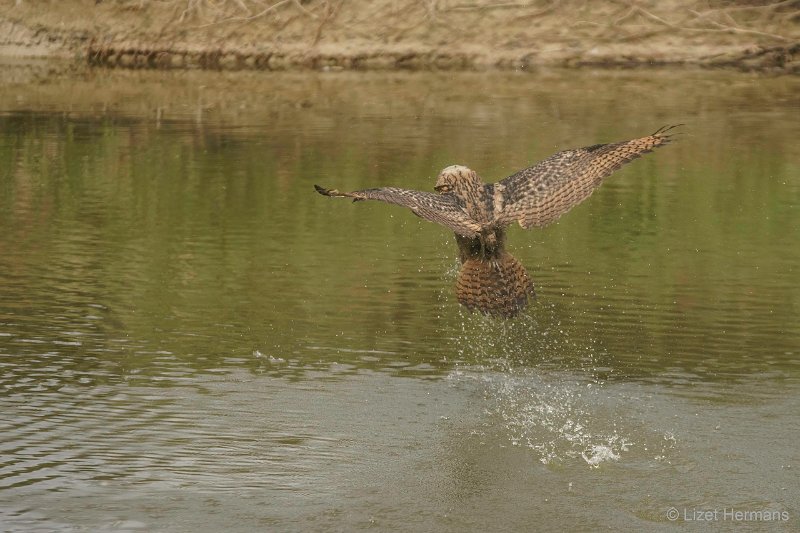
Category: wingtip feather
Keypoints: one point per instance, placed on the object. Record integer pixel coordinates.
(662, 131)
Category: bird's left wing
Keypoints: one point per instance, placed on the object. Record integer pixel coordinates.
(443, 209)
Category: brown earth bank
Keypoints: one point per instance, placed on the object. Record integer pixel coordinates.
(405, 34)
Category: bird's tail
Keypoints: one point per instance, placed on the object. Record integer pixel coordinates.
(498, 287)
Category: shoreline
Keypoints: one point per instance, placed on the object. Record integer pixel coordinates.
(404, 35)
(776, 59)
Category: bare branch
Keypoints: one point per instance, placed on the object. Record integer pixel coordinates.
(736, 29)
(719, 27)
(260, 14)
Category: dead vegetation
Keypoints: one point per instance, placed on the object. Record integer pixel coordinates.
(773, 21)
(420, 33)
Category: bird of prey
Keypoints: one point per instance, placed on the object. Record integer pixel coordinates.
(491, 280)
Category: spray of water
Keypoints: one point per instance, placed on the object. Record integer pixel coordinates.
(545, 387)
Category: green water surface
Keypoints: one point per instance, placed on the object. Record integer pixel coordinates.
(192, 339)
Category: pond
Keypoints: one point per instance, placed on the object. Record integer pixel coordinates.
(192, 339)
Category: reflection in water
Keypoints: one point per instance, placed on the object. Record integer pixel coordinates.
(184, 328)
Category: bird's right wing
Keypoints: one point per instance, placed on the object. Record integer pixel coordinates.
(539, 195)
(443, 209)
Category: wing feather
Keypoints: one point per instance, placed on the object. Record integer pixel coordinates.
(539, 195)
(443, 209)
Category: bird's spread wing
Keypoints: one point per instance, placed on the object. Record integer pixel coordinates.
(443, 209)
(540, 194)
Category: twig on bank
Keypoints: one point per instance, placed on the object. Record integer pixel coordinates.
(305, 10)
(735, 29)
(720, 28)
(241, 4)
(191, 5)
(544, 11)
(628, 14)
(330, 14)
(260, 14)
(470, 7)
(768, 7)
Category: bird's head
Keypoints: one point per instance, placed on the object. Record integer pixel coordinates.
(455, 178)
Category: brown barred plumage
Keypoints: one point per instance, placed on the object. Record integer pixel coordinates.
(499, 287)
(491, 280)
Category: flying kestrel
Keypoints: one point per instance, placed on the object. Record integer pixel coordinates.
(491, 280)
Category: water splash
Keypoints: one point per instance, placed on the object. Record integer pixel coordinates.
(557, 417)
(545, 387)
